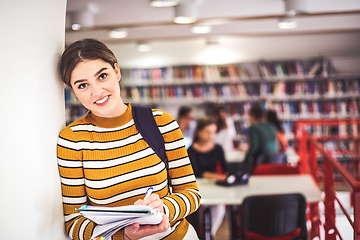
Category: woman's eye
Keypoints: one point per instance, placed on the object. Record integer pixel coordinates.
(102, 76)
(82, 86)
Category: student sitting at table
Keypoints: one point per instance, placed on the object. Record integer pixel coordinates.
(204, 156)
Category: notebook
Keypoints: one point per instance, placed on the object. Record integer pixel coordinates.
(112, 219)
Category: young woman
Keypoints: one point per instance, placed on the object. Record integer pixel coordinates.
(226, 133)
(271, 117)
(104, 161)
(205, 155)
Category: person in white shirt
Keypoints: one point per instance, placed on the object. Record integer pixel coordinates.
(226, 133)
(186, 123)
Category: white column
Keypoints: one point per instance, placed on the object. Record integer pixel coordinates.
(31, 115)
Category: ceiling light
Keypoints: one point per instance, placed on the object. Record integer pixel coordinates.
(76, 27)
(164, 3)
(295, 7)
(185, 13)
(201, 29)
(143, 47)
(81, 19)
(287, 23)
(118, 33)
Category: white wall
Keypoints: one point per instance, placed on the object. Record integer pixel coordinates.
(32, 114)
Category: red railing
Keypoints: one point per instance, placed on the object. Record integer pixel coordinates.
(308, 149)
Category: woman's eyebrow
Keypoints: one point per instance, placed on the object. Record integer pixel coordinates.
(98, 72)
(79, 81)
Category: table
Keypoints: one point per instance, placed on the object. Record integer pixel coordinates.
(212, 194)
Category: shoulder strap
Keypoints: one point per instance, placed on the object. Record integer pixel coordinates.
(146, 125)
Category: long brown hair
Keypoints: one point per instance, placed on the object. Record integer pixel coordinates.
(220, 121)
(86, 49)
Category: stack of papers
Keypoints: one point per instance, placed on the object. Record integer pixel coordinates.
(112, 219)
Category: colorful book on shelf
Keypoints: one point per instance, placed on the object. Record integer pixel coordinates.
(224, 73)
(291, 69)
(182, 73)
(234, 72)
(197, 73)
(279, 70)
(314, 69)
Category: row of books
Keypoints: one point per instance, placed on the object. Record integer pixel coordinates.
(318, 108)
(326, 88)
(242, 91)
(229, 72)
(293, 110)
(197, 73)
(289, 69)
(334, 129)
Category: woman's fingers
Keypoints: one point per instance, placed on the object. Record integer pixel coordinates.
(152, 201)
(135, 231)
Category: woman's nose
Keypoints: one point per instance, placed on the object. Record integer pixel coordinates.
(97, 90)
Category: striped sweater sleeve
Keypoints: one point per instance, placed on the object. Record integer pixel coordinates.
(185, 196)
(73, 186)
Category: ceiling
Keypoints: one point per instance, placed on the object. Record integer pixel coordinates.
(250, 18)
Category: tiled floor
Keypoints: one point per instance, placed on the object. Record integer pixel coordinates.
(342, 223)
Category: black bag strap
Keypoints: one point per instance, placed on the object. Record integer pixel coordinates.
(146, 125)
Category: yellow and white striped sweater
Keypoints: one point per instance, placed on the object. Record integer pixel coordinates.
(106, 162)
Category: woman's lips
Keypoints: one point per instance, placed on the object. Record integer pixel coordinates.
(102, 101)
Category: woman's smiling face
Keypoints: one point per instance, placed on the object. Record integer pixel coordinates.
(95, 84)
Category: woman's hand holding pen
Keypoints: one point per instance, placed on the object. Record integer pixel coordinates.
(135, 231)
(152, 200)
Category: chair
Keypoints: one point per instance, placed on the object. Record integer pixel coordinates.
(274, 217)
(275, 168)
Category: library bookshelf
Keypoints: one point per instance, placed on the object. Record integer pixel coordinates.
(296, 89)
(340, 137)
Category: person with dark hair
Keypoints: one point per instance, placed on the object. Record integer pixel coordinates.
(261, 138)
(185, 120)
(103, 160)
(186, 123)
(226, 132)
(205, 155)
(271, 117)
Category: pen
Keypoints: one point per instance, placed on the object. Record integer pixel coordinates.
(148, 192)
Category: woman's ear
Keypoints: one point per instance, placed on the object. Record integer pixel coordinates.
(117, 71)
